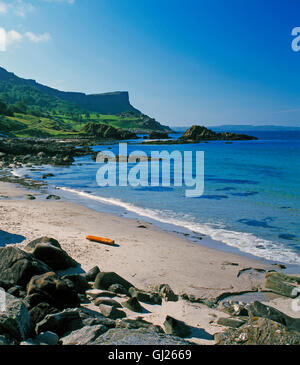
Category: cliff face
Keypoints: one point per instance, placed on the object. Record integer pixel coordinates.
(107, 103)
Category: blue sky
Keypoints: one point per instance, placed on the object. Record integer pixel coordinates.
(183, 61)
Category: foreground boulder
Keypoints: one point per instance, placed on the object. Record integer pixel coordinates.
(258, 309)
(55, 291)
(18, 267)
(84, 336)
(283, 284)
(105, 279)
(124, 336)
(15, 319)
(258, 331)
(49, 251)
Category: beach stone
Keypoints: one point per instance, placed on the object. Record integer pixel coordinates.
(141, 336)
(230, 322)
(105, 279)
(92, 318)
(91, 274)
(50, 285)
(107, 301)
(118, 289)
(133, 304)
(283, 284)
(95, 293)
(30, 197)
(84, 336)
(233, 308)
(258, 331)
(15, 319)
(40, 311)
(167, 293)
(31, 245)
(111, 312)
(79, 283)
(144, 297)
(53, 197)
(258, 309)
(137, 323)
(60, 323)
(54, 257)
(48, 338)
(18, 267)
(176, 328)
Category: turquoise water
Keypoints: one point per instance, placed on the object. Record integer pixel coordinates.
(251, 199)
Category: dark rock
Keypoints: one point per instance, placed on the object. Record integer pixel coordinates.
(258, 331)
(40, 311)
(79, 282)
(118, 289)
(107, 301)
(111, 312)
(133, 304)
(31, 245)
(47, 338)
(92, 318)
(84, 336)
(141, 336)
(15, 290)
(18, 267)
(158, 135)
(230, 322)
(176, 328)
(136, 324)
(144, 297)
(54, 257)
(50, 285)
(91, 274)
(30, 197)
(15, 320)
(53, 197)
(233, 308)
(105, 279)
(283, 284)
(258, 309)
(167, 293)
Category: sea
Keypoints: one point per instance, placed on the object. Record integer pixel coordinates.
(250, 203)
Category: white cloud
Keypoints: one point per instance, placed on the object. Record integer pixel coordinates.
(3, 7)
(13, 37)
(17, 7)
(38, 38)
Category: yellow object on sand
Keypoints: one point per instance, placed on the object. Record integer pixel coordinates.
(106, 241)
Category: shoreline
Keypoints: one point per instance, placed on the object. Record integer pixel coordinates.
(149, 256)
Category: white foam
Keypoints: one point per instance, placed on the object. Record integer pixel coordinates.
(246, 242)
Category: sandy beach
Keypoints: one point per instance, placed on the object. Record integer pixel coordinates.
(145, 255)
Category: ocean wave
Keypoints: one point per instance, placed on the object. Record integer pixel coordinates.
(245, 242)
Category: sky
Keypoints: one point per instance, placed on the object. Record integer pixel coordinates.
(183, 61)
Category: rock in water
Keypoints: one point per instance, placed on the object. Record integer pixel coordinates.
(15, 319)
(105, 279)
(60, 294)
(176, 328)
(124, 336)
(85, 335)
(258, 331)
(18, 267)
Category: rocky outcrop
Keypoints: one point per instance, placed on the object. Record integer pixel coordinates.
(282, 284)
(258, 331)
(104, 131)
(200, 133)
